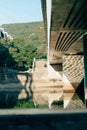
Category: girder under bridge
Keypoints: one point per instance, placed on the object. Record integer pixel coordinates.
(66, 33)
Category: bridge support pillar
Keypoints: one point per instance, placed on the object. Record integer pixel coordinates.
(85, 61)
(73, 81)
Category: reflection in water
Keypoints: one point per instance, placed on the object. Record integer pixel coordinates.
(13, 86)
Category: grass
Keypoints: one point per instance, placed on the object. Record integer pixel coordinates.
(42, 106)
(28, 104)
(24, 104)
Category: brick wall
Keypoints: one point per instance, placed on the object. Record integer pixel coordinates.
(73, 75)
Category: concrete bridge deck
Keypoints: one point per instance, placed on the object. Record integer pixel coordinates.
(66, 27)
(65, 23)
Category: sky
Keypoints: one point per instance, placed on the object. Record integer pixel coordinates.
(20, 11)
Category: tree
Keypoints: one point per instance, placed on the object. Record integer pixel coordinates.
(21, 53)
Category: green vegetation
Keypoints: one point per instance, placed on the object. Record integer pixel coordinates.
(42, 106)
(28, 104)
(24, 104)
(29, 42)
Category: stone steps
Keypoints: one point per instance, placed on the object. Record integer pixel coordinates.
(40, 63)
(46, 87)
(48, 84)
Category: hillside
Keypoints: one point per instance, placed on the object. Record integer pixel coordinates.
(28, 42)
(32, 33)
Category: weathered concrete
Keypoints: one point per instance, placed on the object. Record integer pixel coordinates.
(67, 25)
(38, 119)
(65, 46)
(47, 85)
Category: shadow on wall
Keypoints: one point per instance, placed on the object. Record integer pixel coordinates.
(80, 91)
(14, 86)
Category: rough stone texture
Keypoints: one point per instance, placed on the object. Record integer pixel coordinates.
(73, 67)
(75, 102)
(73, 75)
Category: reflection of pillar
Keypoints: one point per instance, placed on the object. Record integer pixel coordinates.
(48, 7)
(85, 58)
(85, 62)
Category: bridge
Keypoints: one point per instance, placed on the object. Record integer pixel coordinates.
(66, 27)
(66, 33)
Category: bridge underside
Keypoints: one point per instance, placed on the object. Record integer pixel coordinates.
(65, 24)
